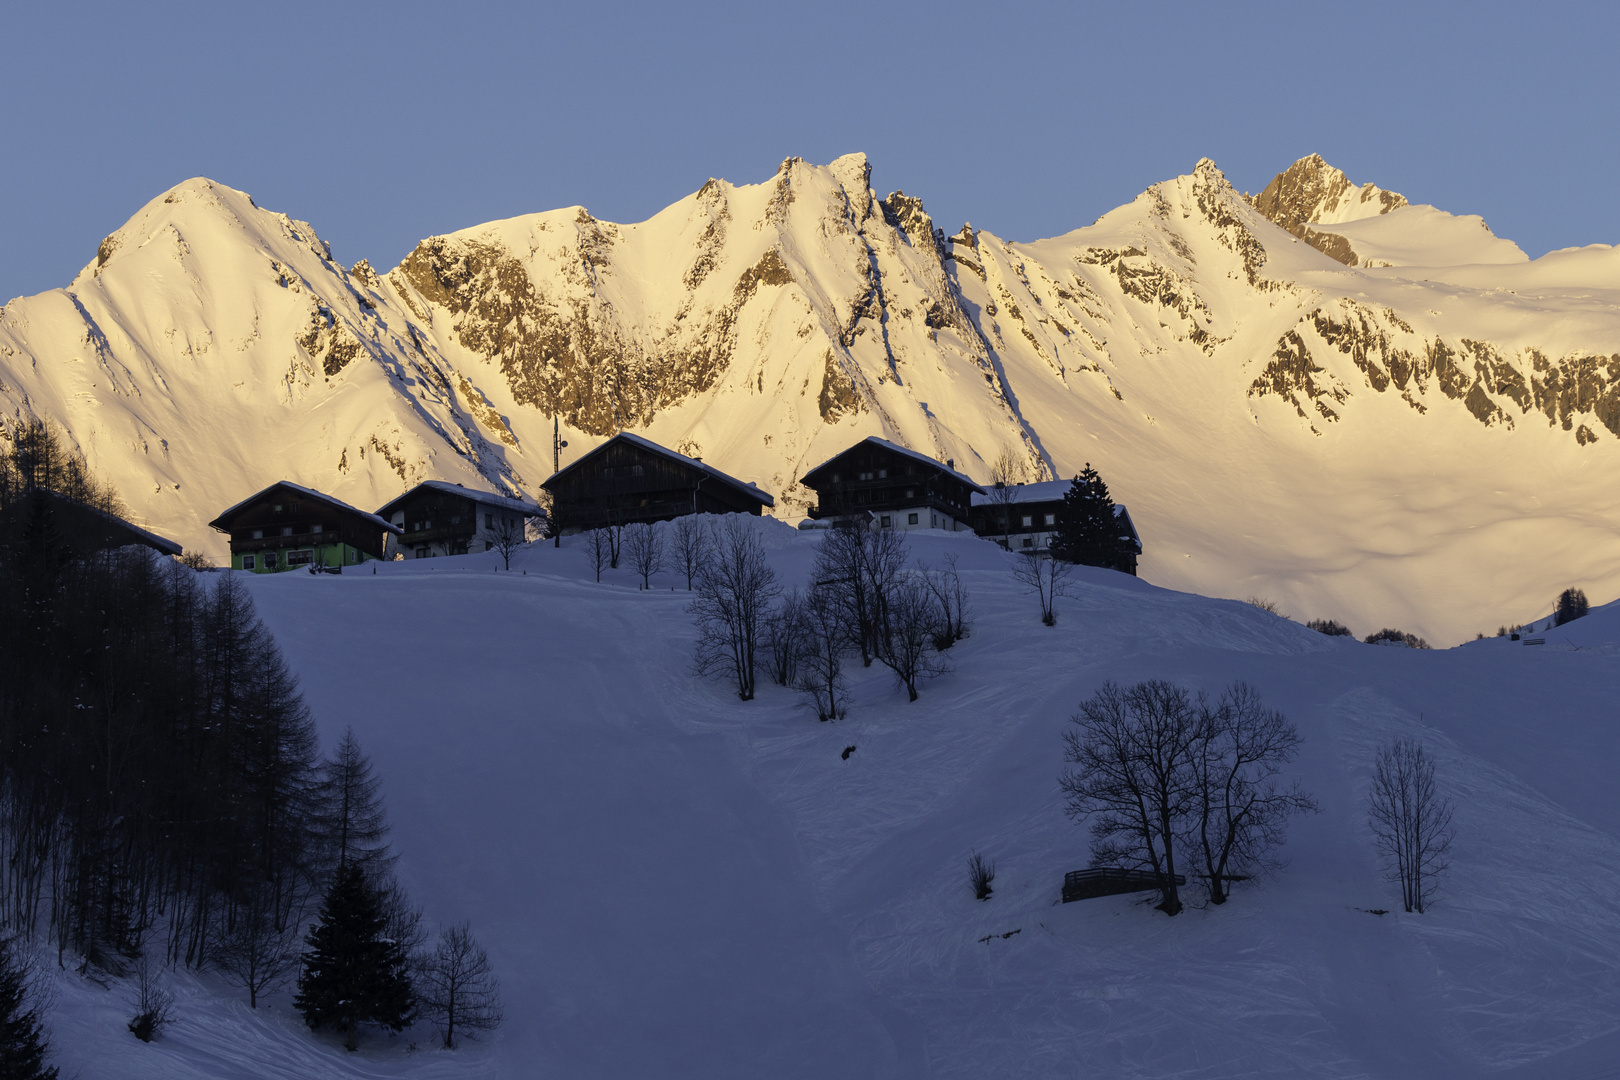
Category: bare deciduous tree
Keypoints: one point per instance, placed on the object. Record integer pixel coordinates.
(689, 536)
(1006, 474)
(154, 1005)
(951, 598)
(1047, 577)
(1240, 811)
(735, 587)
(255, 950)
(505, 536)
(820, 666)
(644, 549)
(457, 986)
(1410, 820)
(911, 623)
(599, 551)
(784, 634)
(859, 565)
(1133, 779)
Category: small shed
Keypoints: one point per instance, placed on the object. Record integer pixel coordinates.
(440, 518)
(1026, 515)
(290, 527)
(629, 479)
(895, 487)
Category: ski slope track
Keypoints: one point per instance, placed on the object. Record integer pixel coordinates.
(675, 883)
(1360, 408)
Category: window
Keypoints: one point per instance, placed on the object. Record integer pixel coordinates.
(278, 508)
(286, 530)
(836, 478)
(455, 519)
(315, 528)
(428, 524)
(1027, 520)
(1029, 541)
(248, 562)
(302, 557)
(911, 519)
(269, 560)
(489, 522)
(887, 521)
(1051, 519)
(488, 545)
(883, 474)
(911, 493)
(865, 475)
(258, 534)
(422, 552)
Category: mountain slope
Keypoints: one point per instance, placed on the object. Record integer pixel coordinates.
(1421, 443)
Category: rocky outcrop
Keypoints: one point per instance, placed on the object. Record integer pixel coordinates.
(1310, 191)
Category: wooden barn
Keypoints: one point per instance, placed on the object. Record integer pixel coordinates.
(1026, 515)
(440, 518)
(290, 527)
(629, 479)
(892, 487)
(79, 527)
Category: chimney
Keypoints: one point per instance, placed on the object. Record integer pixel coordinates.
(950, 463)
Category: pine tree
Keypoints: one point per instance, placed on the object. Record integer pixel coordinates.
(1087, 531)
(357, 827)
(22, 1038)
(353, 973)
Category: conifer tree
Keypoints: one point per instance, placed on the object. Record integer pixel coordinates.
(1087, 531)
(357, 827)
(22, 1038)
(353, 972)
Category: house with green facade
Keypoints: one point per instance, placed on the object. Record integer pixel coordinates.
(290, 527)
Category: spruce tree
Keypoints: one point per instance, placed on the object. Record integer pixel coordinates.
(1087, 531)
(353, 972)
(22, 1038)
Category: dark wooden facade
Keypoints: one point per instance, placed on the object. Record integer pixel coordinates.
(1031, 512)
(288, 527)
(440, 518)
(629, 479)
(897, 487)
(78, 527)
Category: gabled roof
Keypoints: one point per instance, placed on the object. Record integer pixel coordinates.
(898, 449)
(1044, 491)
(485, 498)
(747, 489)
(223, 522)
(135, 533)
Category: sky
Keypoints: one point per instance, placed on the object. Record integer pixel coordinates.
(381, 124)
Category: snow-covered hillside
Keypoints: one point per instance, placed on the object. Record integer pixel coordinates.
(675, 883)
(1422, 439)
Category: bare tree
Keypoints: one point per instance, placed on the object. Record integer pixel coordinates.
(457, 988)
(1047, 577)
(644, 549)
(256, 950)
(1240, 810)
(599, 550)
(951, 598)
(506, 535)
(689, 537)
(820, 666)
(860, 564)
(154, 1005)
(735, 588)
(911, 624)
(1410, 820)
(1133, 779)
(1006, 474)
(783, 640)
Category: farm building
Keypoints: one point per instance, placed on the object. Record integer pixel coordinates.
(892, 487)
(1026, 516)
(629, 479)
(440, 518)
(79, 527)
(290, 527)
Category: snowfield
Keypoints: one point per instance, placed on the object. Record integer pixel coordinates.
(675, 883)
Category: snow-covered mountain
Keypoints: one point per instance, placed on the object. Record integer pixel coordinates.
(1358, 407)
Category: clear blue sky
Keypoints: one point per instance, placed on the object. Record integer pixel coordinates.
(384, 123)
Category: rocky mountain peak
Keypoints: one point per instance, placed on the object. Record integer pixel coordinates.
(1310, 191)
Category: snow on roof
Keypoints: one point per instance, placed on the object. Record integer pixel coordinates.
(746, 487)
(1045, 491)
(908, 452)
(222, 522)
(485, 497)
